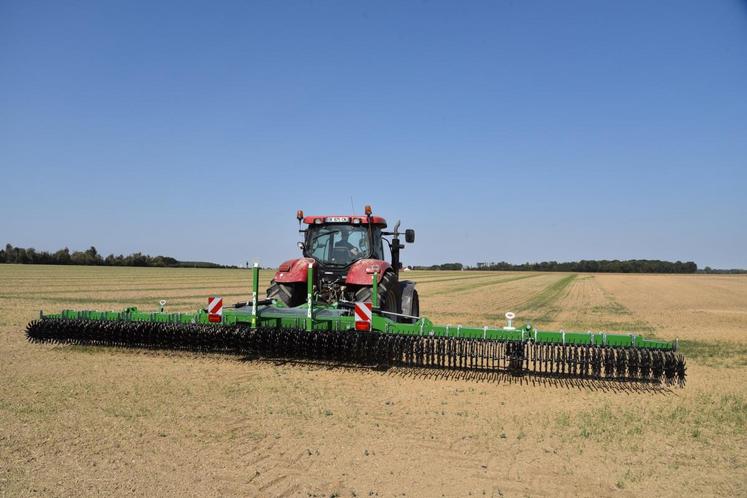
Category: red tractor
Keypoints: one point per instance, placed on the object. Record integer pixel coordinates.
(345, 252)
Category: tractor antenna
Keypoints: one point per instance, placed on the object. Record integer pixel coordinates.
(352, 206)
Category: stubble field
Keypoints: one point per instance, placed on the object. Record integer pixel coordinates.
(102, 421)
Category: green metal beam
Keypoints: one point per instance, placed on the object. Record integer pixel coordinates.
(311, 317)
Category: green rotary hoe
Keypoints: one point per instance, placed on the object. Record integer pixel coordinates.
(342, 302)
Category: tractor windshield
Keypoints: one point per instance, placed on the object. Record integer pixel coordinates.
(338, 244)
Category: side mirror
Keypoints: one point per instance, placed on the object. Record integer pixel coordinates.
(301, 246)
(409, 235)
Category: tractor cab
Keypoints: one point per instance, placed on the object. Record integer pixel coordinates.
(339, 241)
(346, 252)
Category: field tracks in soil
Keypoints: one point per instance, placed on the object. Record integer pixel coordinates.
(541, 306)
(471, 287)
(102, 421)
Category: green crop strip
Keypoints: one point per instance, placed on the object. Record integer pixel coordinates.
(469, 278)
(635, 326)
(715, 353)
(549, 294)
(469, 287)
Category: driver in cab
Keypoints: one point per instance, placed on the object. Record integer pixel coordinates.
(343, 243)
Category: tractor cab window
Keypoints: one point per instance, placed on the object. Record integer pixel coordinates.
(338, 244)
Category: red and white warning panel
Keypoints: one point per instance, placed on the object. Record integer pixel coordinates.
(362, 316)
(215, 309)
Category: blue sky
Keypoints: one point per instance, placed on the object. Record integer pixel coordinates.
(500, 130)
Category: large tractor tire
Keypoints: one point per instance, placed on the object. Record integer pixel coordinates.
(388, 295)
(289, 294)
(410, 300)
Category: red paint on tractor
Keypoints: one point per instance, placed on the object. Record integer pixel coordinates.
(361, 272)
(294, 270)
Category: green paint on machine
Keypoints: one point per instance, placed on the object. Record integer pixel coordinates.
(327, 331)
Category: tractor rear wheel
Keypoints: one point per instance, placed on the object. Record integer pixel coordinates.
(388, 298)
(289, 294)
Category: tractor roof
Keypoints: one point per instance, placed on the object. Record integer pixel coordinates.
(346, 219)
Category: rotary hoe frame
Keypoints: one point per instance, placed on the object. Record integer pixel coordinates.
(325, 332)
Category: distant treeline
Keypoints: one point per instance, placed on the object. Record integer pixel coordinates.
(726, 271)
(445, 266)
(30, 256)
(603, 266)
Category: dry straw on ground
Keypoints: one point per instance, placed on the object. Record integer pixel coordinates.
(104, 421)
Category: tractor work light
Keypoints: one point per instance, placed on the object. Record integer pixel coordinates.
(373, 269)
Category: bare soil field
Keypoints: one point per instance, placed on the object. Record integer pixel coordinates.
(104, 421)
